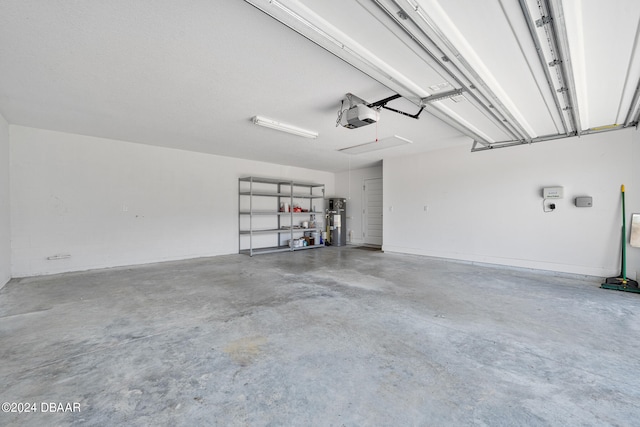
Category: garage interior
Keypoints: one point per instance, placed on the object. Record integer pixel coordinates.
(480, 148)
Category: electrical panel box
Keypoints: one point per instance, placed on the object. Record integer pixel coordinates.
(584, 202)
(552, 192)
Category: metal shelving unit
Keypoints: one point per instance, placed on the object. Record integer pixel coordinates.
(267, 221)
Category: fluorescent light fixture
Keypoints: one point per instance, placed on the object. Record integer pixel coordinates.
(273, 124)
(392, 141)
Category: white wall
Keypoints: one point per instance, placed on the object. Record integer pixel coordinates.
(487, 206)
(109, 203)
(349, 185)
(5, 216)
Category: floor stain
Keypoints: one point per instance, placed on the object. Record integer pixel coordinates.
(245, 350)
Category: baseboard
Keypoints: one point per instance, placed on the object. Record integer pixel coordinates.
(95, 267)
(543, 266)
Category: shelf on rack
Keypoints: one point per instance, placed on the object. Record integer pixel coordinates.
(266, 250)
(264, 213)
(264, 194)
(306, 213)
(278, 230)
(265, 231)
(279, 213)
(307, 196)
(273, 249)
(287, 195)
(307, 247)
(261, 180)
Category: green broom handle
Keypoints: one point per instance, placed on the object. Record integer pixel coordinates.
(624, 238)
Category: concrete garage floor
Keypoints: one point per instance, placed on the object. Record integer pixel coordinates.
(330, 337)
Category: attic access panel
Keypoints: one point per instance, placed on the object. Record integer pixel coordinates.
(381, 144)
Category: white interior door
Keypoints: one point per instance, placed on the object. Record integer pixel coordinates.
(372, 211)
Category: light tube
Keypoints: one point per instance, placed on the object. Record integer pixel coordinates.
(273, 124)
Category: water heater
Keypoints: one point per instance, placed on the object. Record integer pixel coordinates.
(337, 221)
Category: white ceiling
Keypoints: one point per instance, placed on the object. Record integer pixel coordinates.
(190, 75)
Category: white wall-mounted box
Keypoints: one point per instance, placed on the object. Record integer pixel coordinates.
(552, 192)
(584, 202)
